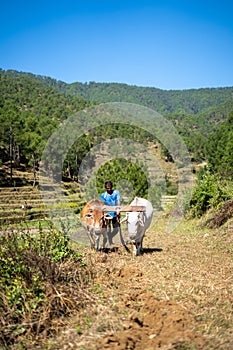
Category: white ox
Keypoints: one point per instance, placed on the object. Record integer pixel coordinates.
(138, 223)
(94, 220)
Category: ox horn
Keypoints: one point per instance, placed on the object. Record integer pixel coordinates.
(107, 216)
(123, 220)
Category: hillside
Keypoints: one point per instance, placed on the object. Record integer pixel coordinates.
(190, 101)
(22, 204)
(29, 113)
(193, 101)
(32, 106)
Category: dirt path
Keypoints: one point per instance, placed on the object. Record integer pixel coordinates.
(177, 295)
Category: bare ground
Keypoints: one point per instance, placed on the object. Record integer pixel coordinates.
(177, 295)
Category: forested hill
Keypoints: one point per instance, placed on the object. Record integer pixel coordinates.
(192, 101)
(31, 107)
(30, 111)
(164, 101)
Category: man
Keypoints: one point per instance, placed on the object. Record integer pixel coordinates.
(111, 197)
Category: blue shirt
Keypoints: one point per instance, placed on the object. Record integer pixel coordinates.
(111, 199)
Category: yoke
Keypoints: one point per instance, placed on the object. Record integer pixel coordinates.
(127, 208)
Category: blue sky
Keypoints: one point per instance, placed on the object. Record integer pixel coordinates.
(166, 44)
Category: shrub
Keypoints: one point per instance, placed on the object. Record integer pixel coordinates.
(210, 192)
(42, 279)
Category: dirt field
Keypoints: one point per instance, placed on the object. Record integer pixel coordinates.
(177, 295)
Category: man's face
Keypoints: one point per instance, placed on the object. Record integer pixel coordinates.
(109, 189)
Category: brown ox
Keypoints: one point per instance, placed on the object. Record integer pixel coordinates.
(94, 220)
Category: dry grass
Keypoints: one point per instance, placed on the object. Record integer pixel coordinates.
(195, 269)
(191, 267)
(187, 274)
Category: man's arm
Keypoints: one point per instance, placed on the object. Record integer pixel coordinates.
(104, 199)
(118, 198)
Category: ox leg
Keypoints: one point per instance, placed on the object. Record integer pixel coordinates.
(137, 248)
(140, 250)
(92, 241)
(97, 242)
(105, 237)
(141, 247)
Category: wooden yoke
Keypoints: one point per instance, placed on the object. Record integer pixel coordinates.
(127, 208)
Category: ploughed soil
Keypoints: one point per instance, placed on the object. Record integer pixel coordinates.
(177, 295)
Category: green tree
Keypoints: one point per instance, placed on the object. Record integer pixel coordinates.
(219, 149)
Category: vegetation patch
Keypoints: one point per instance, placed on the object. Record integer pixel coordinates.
(42, 281)
(224, 214)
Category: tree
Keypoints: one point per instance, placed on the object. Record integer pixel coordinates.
(219, 149)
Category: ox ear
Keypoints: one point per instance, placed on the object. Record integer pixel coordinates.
(107, 216)
(140, 221)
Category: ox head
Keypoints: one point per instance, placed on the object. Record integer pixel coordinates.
(94, 219)
(135, 224)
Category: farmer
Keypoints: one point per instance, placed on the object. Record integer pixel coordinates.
(111, 197)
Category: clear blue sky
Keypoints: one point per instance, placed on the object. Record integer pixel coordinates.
(166, 44)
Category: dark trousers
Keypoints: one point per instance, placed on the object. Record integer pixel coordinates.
(112, 228)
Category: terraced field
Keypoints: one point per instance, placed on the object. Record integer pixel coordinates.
(25, 204)
(21, 203)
